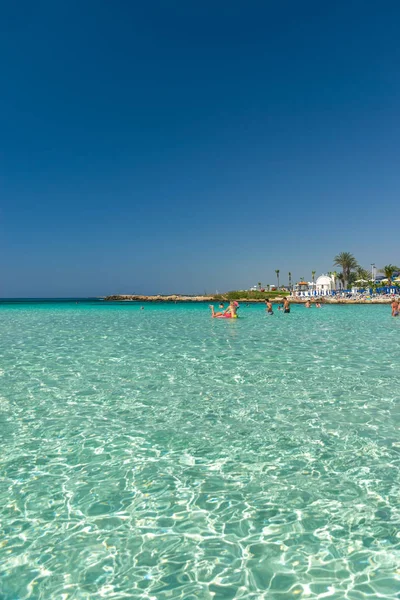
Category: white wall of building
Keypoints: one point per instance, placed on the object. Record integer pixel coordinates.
(324, 285)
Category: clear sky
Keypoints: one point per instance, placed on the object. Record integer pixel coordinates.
(178, 146)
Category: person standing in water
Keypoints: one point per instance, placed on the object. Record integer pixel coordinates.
(395, 308)
(308, 304)
(286, 306)
(269, 306)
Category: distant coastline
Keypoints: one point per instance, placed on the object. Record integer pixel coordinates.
(220, 298)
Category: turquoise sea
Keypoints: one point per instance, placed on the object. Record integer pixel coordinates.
(162, 455)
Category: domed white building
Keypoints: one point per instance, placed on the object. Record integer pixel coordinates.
(324, 285)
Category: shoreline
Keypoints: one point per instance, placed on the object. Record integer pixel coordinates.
(277, 300)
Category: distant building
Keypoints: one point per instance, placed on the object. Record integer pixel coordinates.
(325, 285)
(303, 288)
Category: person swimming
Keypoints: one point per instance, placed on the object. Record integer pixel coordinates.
(269, 306)
(308, 304)
(229, 313)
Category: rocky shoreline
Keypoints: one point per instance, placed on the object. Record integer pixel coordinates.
(176, 298)
(158, 298)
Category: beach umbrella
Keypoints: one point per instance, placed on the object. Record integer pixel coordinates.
(362, 281)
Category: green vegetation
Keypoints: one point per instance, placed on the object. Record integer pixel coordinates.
(354, 274)
(359, 277)
(250, 295)
(348, 263)
(388, 271)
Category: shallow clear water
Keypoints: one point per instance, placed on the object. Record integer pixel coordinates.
(161, 454)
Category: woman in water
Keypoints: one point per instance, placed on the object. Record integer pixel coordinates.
(395, 308)
(229, 313)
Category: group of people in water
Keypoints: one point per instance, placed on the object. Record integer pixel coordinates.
(285, 307)
(231, 311)
(308, 304)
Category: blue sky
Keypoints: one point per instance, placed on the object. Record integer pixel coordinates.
(179, 146)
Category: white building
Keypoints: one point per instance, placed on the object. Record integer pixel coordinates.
(303, 289)
(325, 285)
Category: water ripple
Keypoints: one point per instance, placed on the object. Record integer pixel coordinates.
(159, 454)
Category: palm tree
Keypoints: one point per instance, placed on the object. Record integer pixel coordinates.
(340, 279)
(334, 276)
(277, 275)
(259, 285)
(290, 280)
(313, 275)
(330, 274)
(361, 275)
(363, 272)
(388, 271)
(347, 261)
